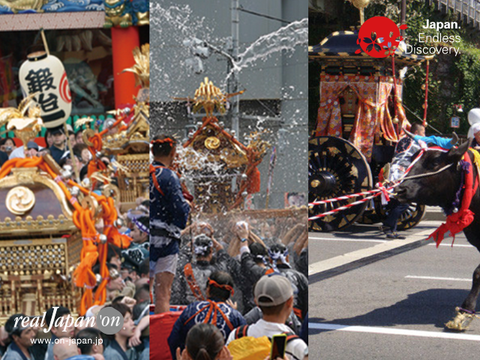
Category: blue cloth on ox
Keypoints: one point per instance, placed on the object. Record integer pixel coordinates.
(435, 140)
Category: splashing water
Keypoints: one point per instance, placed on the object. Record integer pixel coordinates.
(174, 24)
(179, 17)
(285, 38)
(178, 23)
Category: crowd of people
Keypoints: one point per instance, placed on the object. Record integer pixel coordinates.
(232, 278)
(235, 279)
(76, 340)
(55, 141)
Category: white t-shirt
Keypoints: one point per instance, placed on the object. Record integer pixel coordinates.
(17, 153)
(296, 349)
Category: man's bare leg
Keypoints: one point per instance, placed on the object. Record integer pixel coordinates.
(163, 291)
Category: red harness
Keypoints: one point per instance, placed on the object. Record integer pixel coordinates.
(458, 221)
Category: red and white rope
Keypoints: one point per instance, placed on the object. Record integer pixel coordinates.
(375, 192)
(342, 208)
(344, 197)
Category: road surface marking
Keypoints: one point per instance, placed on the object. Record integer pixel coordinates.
(345, 239)
(454, 245)
(347, 258)
(314, 237)
(392, 331)
(436, 278)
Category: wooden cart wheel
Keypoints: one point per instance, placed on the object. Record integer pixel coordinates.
(369, 215)
(336, 168)
(409, 218)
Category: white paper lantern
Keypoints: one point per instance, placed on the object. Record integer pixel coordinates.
(45, 75)
(474, 116)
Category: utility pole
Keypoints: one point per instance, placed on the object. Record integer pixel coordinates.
(403, 16)
(233, 80)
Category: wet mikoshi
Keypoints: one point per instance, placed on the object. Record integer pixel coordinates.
(49, 242)
(224, 171)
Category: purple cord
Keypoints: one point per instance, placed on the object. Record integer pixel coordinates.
(465, 168)
(467, 311)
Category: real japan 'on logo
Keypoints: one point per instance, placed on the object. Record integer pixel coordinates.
(379, 37)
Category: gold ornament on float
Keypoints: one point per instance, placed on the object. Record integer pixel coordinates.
(24, 121)
(209, 97)
(360, 5)
(212, 143)
(141, 68)
(20, 200)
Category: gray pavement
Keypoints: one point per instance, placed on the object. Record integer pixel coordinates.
(372, 298)
(434, 213)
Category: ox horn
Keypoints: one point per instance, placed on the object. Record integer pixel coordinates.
(455, 138)
(455, 154)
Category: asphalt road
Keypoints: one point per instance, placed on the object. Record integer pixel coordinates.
(370, 298)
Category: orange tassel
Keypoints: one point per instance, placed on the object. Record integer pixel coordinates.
(83, 275)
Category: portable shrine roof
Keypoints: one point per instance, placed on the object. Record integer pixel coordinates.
(343, 44)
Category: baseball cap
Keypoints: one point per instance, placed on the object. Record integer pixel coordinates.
(273, 290)
(57, 130)
(32, 145)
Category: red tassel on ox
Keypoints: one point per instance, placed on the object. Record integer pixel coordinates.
(456, 222)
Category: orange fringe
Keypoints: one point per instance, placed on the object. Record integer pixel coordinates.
(84, 220)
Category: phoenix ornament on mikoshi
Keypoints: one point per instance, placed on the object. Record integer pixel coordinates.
(141, 69)
(25, 125)
(210, 97)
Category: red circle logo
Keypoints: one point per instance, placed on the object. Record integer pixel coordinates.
(379, 37)
(65, 89)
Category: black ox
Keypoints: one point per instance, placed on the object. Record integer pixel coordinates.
(440, 190)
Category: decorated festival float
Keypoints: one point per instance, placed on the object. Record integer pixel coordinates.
(214, 153)
(359, 121)
(55, 228)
